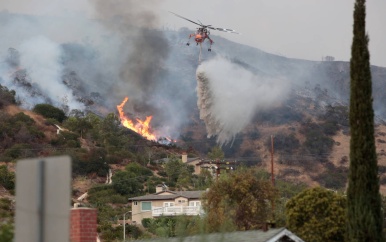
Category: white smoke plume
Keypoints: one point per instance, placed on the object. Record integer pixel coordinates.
(117, 50)
(45, 69)
(229, 96)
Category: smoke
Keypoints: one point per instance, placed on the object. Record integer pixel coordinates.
(229, 96)
(37, 74)
(45, 69)
(92, 64)
(135, 23)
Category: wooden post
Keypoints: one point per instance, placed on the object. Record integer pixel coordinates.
(273, 184)
(272, 170)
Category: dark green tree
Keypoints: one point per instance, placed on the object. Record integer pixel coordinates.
(173, 168)
(364, 214)
(216, 153)
(317, 214)
(6, 96)
(49, 111)
(126, 183)
(239, 200)
(7, 178)
(6, 232)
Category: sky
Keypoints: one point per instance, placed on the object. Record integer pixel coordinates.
(305, 29)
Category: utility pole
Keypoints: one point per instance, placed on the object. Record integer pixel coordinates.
(273, 183)
(272, 172)
(124, 226)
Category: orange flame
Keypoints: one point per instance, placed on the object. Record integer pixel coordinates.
(141, 127)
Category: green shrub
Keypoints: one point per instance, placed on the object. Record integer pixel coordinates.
(146, 222)
(317, 142)
(23, 118)
(6, 232)
(49, 111)
(286, 143)
(6, 96)
(105, 194)
(7, 178)
(138, 169)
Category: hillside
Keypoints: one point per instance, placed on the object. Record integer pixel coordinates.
(309, 123)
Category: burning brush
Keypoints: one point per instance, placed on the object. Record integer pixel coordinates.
(141, 127)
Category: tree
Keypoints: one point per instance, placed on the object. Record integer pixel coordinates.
(126, 183)
(184, 178)
(6, 96)
(80, 125)
(286, 190)
(7, 178)
(49, 111)
(238, 200)
(203, 180)
(6, 232)
(364, 215)
(138, 170)
(317, 214)
(216, 153)
(173, 168)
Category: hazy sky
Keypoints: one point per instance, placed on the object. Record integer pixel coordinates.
(307, 29)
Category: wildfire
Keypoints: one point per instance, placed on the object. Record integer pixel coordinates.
(141, 127)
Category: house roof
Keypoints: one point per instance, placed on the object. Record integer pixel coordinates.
(166, 160)
(190, 160)
(271, 235)
(174, 195)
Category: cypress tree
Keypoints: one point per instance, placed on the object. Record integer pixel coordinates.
(364, 214)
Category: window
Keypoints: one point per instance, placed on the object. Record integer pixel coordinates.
(168, 204)
(135, 203)
(146, 206)
(195, 203)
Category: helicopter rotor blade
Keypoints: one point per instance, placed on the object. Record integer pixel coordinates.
(187, 19)
(226, 30)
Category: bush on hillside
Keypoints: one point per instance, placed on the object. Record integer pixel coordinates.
(127, 183)
(7, 97)
(66, 139)
(286, 143)
(86, 163)
(317, 143)
(49, 111)
(7, 178)
(279, 116)
(105, 194)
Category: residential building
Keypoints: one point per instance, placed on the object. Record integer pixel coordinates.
(196, 161)
(193, 162)
(166, 203)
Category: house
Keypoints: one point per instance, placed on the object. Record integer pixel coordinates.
(270, 235)
(166, 203)
(193, 162)
(196, 162)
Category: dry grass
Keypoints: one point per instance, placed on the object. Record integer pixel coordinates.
(48, 130)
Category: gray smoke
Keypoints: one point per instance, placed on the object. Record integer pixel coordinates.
(229, 96)
(92, 64)
(31, 63)
(45, 70)
(146, 48)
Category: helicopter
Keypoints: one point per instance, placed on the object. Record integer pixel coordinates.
(202, 33)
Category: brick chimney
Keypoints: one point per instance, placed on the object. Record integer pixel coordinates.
(83, 225)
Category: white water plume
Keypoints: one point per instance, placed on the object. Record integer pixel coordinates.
(229, 96)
